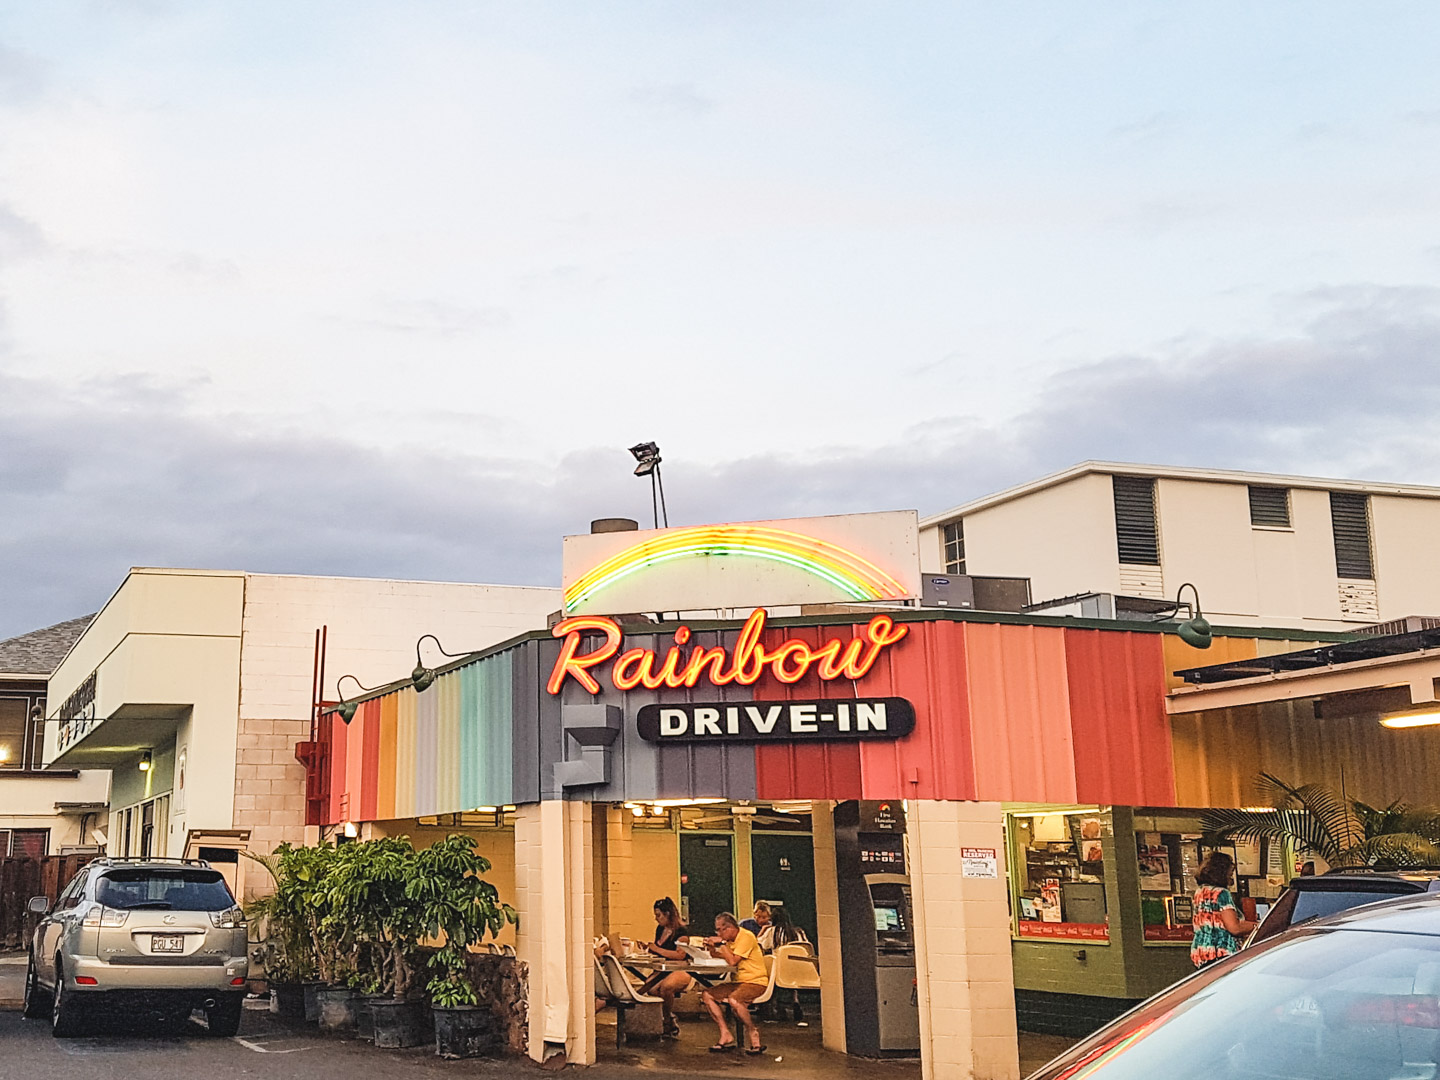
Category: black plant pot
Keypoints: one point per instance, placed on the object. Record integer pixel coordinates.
(311, 990)
(463, 1031)
(338, 1005)
(288, 1000)
(365, 1016)
(398, 1024)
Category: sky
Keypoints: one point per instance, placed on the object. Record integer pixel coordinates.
(387, 289)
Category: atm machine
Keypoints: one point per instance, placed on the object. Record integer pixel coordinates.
(877, 943)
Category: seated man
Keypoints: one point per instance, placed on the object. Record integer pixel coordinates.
(738, 947)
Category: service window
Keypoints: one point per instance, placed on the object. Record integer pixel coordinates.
(1059, 871)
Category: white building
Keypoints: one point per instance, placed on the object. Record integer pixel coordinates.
(194, 687)
(42, 812)
(1262, 549)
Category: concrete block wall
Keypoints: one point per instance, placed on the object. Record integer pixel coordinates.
(962, 943)
(373, 627)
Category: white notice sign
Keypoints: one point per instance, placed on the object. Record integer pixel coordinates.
(979, 862)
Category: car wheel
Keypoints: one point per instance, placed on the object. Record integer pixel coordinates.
(64, 1015)
(37, 1002)
(223, 1017)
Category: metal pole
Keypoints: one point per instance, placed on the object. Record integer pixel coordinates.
(661, 482)
(654, 506)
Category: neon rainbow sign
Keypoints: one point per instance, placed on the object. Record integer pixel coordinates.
(857, 577)
(788, 662)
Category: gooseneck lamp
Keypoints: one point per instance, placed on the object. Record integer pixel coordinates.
(1194, 631)
(346, 709)
(422, 678)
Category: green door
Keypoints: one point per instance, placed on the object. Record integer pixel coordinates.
(784, 868)
(707, 879)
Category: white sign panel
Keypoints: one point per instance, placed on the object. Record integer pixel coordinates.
(979, 862)
(845, 559)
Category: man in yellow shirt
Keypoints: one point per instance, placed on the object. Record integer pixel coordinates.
(740, 948)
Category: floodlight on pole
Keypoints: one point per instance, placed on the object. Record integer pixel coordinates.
(647, 463)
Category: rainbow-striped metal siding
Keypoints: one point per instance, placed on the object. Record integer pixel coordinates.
(1004, 711)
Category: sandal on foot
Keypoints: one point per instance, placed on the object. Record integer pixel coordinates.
(722, 1048)
(756, 1051)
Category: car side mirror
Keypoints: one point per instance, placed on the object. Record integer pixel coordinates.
(39, 905)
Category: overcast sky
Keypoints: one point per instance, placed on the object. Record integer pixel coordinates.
(387, 288)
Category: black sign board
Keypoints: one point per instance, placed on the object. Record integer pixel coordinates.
(777, 721)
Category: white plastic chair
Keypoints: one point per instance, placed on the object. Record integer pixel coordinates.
(796, 969)
(623, 992)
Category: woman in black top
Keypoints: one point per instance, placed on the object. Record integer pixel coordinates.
(670, 934)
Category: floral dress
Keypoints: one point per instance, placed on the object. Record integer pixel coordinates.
(1211, 940)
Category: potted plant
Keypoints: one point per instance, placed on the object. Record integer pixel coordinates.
(370, 909)
(290, 917)
(456, 904)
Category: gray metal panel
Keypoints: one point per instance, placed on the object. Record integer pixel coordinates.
(525, 731)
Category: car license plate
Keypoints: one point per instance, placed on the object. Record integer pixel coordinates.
(167, 943)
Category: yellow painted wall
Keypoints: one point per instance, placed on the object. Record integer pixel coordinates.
(1219, 753)
(497, 845)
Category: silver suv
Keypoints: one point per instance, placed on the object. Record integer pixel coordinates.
(165, 936)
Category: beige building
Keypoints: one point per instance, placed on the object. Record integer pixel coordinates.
(194, 687)
(42, 811)
(1262, 549)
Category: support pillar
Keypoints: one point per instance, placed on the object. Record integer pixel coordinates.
(555, 896)
(964, 974)
(827, 928)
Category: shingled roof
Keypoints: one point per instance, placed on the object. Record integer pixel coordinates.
(39, 652)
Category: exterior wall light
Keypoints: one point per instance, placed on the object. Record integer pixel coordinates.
(145, 761)
(1194, 631)
(422, 678)
(1406, 720)
(346, 709)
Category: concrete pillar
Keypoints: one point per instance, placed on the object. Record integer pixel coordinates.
(744, 868)
(827, 929)
(555, 896)
(965, 983)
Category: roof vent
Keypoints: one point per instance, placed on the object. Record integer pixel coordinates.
(609, 525)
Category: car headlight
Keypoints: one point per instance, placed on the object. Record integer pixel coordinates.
(229, 919)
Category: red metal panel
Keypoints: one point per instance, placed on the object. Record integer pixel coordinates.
(806, 770)
(928, 668)
(370, 761)
(339, 742)
(1020, 713)
(1117, 711)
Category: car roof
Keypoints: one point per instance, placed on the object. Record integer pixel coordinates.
(1383, 882)
(1418, 914)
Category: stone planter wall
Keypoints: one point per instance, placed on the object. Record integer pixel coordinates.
(503, 986)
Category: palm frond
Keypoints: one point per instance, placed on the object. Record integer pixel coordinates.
(1395, 849)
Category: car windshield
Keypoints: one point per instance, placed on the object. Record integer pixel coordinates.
(164, 889)
(1312, 904)
(1336, 1005)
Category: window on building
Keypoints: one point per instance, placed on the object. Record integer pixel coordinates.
(1270, 507)
(14, 722)
(955, 547)
(30, 843)
(1136, 535)
(1350, 522)
(1058, 875)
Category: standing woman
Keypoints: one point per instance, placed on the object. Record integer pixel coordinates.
(670, 934)
(1218, 924)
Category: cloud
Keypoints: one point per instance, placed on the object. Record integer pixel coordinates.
(23, 76)
(19, 237)
(672, 97)
(98, 477)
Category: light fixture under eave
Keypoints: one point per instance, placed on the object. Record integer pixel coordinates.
(1408, 720)
(145, 761)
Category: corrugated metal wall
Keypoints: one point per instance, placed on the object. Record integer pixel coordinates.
(1004, 712)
